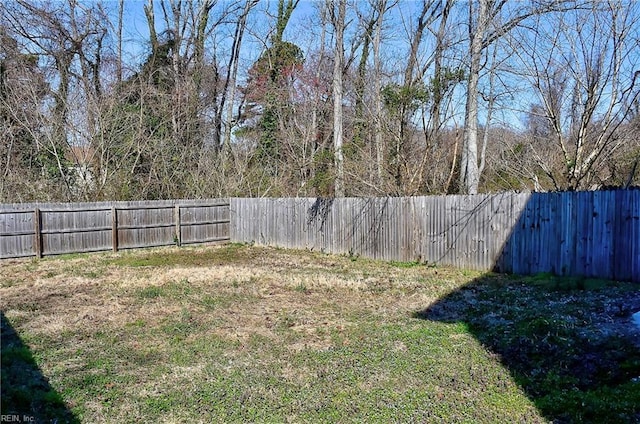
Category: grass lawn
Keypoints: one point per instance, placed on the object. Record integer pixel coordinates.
(248, 334)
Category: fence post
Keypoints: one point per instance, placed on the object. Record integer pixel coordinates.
(114, 229)
(37, 220)
(178, 235)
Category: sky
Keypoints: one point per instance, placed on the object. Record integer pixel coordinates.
(305, 33)
(136, 30)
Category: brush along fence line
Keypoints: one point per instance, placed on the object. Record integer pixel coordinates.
(593, 234)
(59, 228)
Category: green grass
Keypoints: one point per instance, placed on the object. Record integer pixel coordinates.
(409, 264)
(567, 342)
(247, 334)
(25, 390)
(186, 256)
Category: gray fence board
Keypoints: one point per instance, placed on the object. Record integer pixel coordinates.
(88, 227)
(573, 233)
(593, 234)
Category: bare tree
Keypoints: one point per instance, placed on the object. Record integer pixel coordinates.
(27, 165)
(337, 11)
(120, 39)
(412, 93)
(229, 88)
(377, 99)
(69, 39)
(415, 106)
(583, 68)
(489, 21)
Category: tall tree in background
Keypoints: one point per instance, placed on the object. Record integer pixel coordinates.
(172, 104)
(490, 21)
(338, 11)
(67, 40)
(417, 103)
(23, 91)
(377, 98)
(227, 100)
(368, 21)
(268, 89)
(412, 94)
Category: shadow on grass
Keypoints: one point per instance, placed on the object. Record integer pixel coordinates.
(569, 343)
(26, 393)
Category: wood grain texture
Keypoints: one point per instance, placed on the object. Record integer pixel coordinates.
(591, 234)
(59, 228)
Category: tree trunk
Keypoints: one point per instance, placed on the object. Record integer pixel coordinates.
(469, 172)
(338, 24)
(232, 74)
(361, 81)
(120, 26)
(377, 81)
(151, 23)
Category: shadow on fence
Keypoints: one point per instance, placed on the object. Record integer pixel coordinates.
(27, 395)
(589, 234)
(569, 342)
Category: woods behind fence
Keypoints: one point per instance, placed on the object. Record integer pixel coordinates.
(593, 234)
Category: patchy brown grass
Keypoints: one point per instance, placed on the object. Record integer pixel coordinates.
(245, 333)
(97, 290)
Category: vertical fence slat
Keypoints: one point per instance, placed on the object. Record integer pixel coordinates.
(37, 222)
(114, 229)
(571, 233)
(178, 232)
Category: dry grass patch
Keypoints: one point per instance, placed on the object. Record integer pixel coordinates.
(243, 333)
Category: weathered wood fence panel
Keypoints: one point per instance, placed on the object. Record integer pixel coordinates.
(58, 228)
(18, 229)
(594, 234)
(571, 233)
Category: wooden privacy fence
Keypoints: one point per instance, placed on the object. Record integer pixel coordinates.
(58, 228)
(572, 233)
(595, 234)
